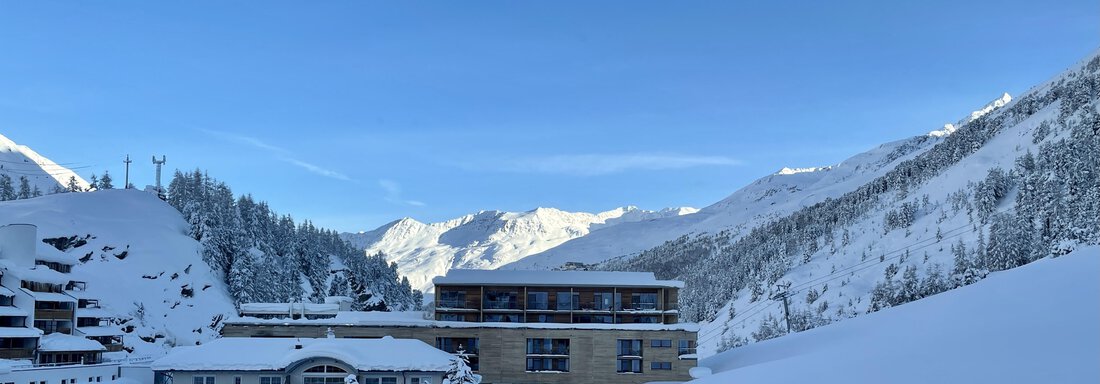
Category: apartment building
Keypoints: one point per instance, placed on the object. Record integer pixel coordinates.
(531, 326)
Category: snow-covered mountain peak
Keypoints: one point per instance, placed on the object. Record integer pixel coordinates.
(488, 239)
(987, 108)
(792, 171)
(21, 161)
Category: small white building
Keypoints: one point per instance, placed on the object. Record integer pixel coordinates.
(331, 360)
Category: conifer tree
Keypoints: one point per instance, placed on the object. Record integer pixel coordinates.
(24, 188)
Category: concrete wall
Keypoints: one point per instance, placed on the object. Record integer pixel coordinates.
(17, 244)
(503, 351)
(53, 375)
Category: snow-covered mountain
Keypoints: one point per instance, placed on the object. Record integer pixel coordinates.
(134, 253)
(489, 239)
(20, 161)
(1013, 183)
(765, 199)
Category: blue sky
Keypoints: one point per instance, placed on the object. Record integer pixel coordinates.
(354, 113)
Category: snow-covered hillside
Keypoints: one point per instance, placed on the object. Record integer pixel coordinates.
(765, 199)
(1033, 324)
(488, 239)
(137, 259)
(20, 161)
(1010, 186)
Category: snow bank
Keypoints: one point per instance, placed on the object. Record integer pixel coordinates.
(1032, 324)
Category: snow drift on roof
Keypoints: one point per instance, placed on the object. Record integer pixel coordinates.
(46, 252)
(20, 332)
(38, 273)
(553, 278)
(50, 296)
(60, 342)
(385, 354)
(99, 331)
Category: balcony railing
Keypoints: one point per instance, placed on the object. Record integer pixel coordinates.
(630, 352)
(453, 304)
(54, 314)
(16, 353)
(501, 305)
(113, 347)
(642, 307)
(599, 306)
(685, 351)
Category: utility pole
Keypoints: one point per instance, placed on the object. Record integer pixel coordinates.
(127, 185)
(160, 192)
(784, 293)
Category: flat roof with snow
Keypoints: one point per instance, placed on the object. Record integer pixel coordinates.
(274, 354)
(60, 342)
(553, 278)
(284, 308)
(416, 319)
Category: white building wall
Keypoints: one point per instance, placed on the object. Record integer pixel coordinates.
(53, 375)
(17, 244)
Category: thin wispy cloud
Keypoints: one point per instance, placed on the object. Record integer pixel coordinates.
(603, 164)
(281, 153)
(393, 193)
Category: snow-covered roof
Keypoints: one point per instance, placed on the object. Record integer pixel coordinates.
(46, 252)
(6, 292)
(266, 354)
(553, 278)
(416, 319)
(337, 299)
(278, 308)
(60, 342)
(50, 296)
(99, 331)
(11, 311)
(38, 273)
(20, 332)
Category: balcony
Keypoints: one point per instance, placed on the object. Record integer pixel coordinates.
(53, 314)
(451, 304)
(682, 351)
(16, 353)
(599, 306)
(113, 347)
(501, 305)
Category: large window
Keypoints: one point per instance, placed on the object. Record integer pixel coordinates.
(600, 319)
(568, 301)
(606, 301)
(452, 299)
(380, 380)
(628, 366)
(501, 300)
(322, 380)
(548, 355)
(503, 318)
(202, 380)
(686, 347)
(630, 348)
(643, 301)
(660, 366)
(271, 380)
(420, 380)
(660, 343)
(467, 345)
(538, 300)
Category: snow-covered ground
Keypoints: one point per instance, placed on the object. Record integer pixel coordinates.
(138, 261)
(1039, 323)
(488, 239)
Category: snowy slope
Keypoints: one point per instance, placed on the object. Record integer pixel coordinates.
(19, 160)
(1033, 324)
(488, 239)
(834, 280)
(138, 261)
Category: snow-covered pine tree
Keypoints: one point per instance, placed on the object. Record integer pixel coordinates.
(24, 188)
(73, 185)
(105, 182)
(7, 191)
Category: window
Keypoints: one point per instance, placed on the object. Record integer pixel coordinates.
(324, 369)
(600, 319)
(538, 300)
(370, 380)
(643, 301)
(686, 347)
(236, 380)
(389, 380)
(629, 366)
(568, 301)
(606, 301)
(548, 355)
(421, 380)
(271, 380)
(661, 343)
(660, 366)
(199, 380)
(322, 380)
(646, 319)
(452, 299)
(501, 300)
(630, 348)
(547, 364)
(452, 317)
